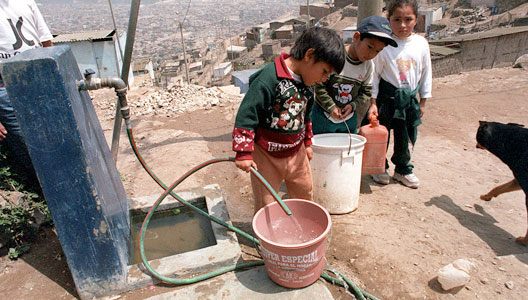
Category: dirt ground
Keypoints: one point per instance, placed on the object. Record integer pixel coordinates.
(396, 241)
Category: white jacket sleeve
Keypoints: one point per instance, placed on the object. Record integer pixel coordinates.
(378, 65)
(426, 82)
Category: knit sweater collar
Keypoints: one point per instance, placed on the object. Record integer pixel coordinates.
(281, 67)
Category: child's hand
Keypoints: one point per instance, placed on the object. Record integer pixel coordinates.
(309, 152)
(373, 111)
(3, 132)
(422, 106)
(336, 113)
(245, 165)
(346, 111)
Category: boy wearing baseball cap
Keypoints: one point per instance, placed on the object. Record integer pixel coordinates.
(342, 94)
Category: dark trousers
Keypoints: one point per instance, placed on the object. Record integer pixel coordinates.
(14, 139)
(401, 158)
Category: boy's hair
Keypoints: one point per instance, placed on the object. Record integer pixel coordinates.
(327, 46)
(394, 4)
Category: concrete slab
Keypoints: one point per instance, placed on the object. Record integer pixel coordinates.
(252, 284)
(225, 253)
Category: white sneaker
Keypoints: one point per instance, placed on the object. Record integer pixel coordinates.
(409, 180)
(381, 178)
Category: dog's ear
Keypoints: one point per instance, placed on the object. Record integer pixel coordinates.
(482, 123)
(515, 124)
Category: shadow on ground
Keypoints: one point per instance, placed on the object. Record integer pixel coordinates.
(483, 225)
(47, 257)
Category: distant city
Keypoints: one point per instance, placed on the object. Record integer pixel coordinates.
(158, 34)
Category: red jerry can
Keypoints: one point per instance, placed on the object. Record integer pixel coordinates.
(375, 148)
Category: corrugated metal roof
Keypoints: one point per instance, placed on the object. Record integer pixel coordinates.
(236, 49)
(195, 64)
(244, 75)
(482, 35)
(223, 65)
(320, 4)
(284, 18)
(285, 28)
(141, 63)
(84, 36)
(441, 50)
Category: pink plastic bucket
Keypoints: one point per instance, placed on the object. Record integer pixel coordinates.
(293, 247)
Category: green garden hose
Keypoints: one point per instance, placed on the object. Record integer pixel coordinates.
(168, 191)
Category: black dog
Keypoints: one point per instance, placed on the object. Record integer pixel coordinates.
(509, 142)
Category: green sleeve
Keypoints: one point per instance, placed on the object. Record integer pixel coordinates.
(252, 108)
(322, 98)
(309, 105)
(365, 92)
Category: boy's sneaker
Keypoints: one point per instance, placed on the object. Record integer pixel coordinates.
(381, 178)
(409, 180)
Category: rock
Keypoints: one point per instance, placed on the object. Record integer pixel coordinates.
(451, 277)
(521, 62)
(484, 280)
(177, 99)
(16, 198)
(38, 216)
(463, 265)
(3, 201)
(509, 285)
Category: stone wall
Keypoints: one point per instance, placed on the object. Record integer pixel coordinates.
(493, 52)
(486, 53)
(446, 65)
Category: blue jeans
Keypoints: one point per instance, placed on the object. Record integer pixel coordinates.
(14, 138)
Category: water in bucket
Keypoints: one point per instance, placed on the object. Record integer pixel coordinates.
(288, 230)
(293, 255)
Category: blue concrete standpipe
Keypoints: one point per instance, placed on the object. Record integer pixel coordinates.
(74, 166)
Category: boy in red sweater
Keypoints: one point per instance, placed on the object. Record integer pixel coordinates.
(273, 130)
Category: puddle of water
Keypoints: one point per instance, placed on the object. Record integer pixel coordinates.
(171, 232)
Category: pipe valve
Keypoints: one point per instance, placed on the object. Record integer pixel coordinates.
(94, 83)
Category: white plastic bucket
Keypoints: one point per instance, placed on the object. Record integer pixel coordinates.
(336, 170)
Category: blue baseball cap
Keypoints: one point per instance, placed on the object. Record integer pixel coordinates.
(379, 27)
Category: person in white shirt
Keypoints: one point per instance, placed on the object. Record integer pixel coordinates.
(401, 74)
(22, 27)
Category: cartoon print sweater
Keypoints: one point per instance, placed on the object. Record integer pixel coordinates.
(274, 113)
(352, 86)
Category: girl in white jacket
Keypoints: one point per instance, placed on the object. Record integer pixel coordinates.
(401, 74)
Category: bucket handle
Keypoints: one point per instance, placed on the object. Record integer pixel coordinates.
(347, 155)
(350, 136)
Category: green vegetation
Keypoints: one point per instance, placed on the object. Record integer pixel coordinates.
(22, 207)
